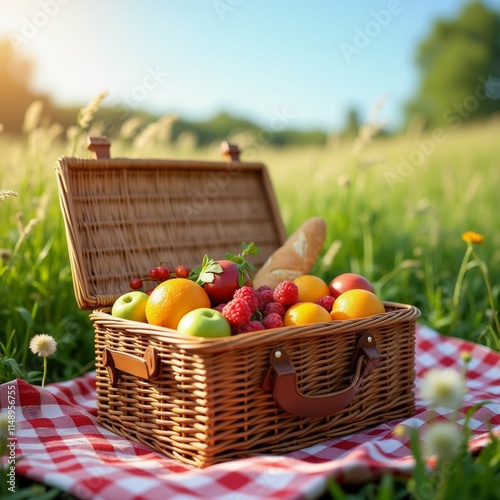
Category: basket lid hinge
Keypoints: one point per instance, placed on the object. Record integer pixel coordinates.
(99, 146)
(230, 151)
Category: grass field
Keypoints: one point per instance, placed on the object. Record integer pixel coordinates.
(396, 208)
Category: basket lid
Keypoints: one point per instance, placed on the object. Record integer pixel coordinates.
(124, 216)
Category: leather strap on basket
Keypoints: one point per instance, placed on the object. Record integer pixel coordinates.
(281, 379)
(147, 367)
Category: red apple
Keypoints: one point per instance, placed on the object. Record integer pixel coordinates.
(222, 288)
(349, 281)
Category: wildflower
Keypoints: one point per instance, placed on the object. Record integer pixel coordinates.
(44, 345)
(399, 431)
(6, 193)
(472, 237)
(86, 114)
(441, 439)
(466, 357)
(443, 388)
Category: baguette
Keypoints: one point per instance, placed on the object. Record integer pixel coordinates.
(296, 256)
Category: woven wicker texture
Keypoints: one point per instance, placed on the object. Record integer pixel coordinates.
(208, 405)
(125, 216)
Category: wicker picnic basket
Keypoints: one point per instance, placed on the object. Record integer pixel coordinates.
(204, 401)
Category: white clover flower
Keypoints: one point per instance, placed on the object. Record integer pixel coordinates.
(43, 344)
(441, 439)
(443, 388)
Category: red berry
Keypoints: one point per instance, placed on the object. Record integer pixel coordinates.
(219, 307)
(162, 273)
(326, 302)
(264, 296)
(251, 326)
(274, 320)
(249, 295)
(286, 293)
(237, 312)
(182, 271)
(135, 283)
(263, 287)
(152, 273)
(274, 307)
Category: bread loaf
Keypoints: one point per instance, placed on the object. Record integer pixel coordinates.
(296, 256)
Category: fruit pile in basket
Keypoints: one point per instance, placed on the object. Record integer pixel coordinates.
(219, 298)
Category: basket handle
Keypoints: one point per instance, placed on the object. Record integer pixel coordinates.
(147, 367)
(281, 379)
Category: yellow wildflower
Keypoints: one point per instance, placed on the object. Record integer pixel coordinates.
(466, 356)
(473, 237)
(399, 431)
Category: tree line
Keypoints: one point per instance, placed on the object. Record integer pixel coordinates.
(458, 61)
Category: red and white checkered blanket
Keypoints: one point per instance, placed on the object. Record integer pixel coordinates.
(62, 445)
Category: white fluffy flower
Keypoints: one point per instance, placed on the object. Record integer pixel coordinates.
(441, 439)
(44, 345)
(443, 388)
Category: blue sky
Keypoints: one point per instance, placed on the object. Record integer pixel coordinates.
(306, 61)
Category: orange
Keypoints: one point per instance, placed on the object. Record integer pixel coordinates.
(172, 299)
(305, 313)
(356, 303)
(311, 288)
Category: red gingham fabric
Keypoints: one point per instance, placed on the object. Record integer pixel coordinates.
(62, 445)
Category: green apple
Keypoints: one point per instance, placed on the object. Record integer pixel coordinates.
(131, 305)
(204, 322)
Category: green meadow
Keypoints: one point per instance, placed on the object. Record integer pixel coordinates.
(396, 207)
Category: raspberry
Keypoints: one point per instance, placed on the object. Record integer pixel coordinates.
(274, 320)
(251, 326)
(264, 296)
(286, 293)
(219, 307)
(274, 307)
(249, 295)
(237, 312)
(326, 302)
(263, 287)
